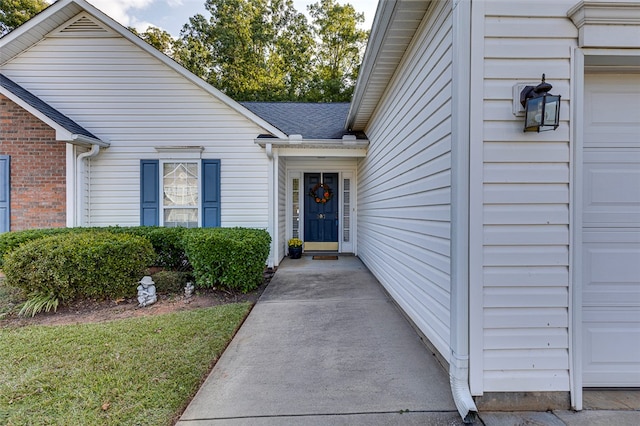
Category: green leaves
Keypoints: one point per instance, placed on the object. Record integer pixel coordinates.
(232, 257)
(39, 302)
(14, 13)
(69, 266)
(265, 50)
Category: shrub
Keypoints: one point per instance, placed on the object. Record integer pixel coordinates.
(170, 281)
(231, 257)
(167, 242)
(11, 240)
(87, 264)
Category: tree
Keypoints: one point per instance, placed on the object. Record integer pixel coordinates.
(14, 13)
(160, 39)
(339, 53)
(249, 49)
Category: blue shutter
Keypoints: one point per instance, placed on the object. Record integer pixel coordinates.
(5, 194)
(149, 193)
(210, 193)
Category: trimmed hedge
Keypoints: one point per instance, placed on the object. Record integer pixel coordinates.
(68, 266)
(12, 240)
(231, 257)
(167, 242)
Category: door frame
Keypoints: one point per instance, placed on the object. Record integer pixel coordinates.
(349, 246)
(611, 59)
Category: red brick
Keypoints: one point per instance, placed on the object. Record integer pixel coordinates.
(38, 169)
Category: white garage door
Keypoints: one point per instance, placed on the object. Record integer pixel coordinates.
(611, 231)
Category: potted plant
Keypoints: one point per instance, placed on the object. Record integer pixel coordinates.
(295, 248)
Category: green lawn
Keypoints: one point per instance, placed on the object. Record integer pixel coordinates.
(140, 371)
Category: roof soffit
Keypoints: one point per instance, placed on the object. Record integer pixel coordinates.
(394, 27)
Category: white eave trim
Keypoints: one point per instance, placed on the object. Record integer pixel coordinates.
(607, 24)
(314, 143)
(379, 30)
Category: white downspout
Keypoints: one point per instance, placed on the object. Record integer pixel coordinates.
(272, 203)
(95, 150)
(460, 163)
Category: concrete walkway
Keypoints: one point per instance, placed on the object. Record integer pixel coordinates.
(324, 345)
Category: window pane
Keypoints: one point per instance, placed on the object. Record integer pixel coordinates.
(180, 184)
(295, 209)
(187, 218)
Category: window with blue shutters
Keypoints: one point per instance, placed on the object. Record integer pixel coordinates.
(5, 194)
(180, 193)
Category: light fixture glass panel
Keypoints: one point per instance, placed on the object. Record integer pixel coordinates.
(551, 112)
(533, 114)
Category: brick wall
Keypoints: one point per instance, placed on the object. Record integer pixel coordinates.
(38, 169)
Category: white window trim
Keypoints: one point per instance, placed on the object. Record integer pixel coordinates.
(198, 206)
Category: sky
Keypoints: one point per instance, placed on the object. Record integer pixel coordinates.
(170, 15)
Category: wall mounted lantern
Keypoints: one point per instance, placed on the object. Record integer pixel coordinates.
(541, 109)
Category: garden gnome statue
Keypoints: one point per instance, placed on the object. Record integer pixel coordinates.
(188, 290)
(146, 292)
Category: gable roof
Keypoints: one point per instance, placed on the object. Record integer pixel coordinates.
(393, 29)
(311, 120)
(66, 128)
(62, 11)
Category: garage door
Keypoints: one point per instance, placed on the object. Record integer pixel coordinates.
(611, 231)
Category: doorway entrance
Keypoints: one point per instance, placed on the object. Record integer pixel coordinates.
(321, 211)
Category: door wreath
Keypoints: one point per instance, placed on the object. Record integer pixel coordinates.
(323, 196)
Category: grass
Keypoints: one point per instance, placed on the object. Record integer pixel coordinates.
(139, 371)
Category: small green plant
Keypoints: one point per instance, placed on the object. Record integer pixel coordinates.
(39, 302)
(170, 281)
(295, 242)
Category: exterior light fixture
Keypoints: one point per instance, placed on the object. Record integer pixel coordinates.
(541, 109)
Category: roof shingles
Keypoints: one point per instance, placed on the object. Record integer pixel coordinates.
(311, 120)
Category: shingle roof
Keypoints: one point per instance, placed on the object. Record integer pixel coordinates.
(311, 120)
(46, 109)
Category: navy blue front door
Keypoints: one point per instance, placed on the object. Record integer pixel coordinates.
(321, 207)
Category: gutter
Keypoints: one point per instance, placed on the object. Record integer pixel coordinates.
(86, 140)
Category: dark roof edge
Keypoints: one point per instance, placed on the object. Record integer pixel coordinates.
(79, 133)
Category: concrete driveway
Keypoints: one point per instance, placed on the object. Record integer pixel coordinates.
(324, 345)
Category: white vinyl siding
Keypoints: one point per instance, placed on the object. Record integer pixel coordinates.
(129, 98)
(404, 183)
(526, 179)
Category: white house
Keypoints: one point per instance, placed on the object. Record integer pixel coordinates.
(516, 254)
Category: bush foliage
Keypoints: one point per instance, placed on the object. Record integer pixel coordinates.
(170, 281)
(167, 242)
(69, 263)
(96, 265)
(230, 257)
